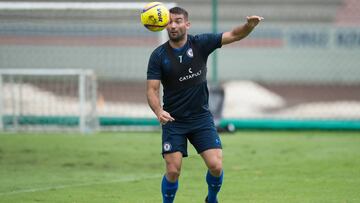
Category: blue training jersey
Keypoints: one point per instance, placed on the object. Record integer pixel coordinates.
(182, 73)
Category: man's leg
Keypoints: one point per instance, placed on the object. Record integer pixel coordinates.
(169, 184)
(214, 176)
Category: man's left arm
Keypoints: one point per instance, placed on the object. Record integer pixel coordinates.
(242, 31)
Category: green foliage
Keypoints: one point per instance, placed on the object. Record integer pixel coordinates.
(127, 167)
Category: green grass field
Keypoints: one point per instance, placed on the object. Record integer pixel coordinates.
(260, 166)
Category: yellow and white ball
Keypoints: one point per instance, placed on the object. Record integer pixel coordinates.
(155, 16)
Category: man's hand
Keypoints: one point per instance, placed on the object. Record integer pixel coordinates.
(164, 117)
(252, 21)
(241, 31)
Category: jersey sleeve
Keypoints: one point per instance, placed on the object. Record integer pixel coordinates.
(154, 67)
(209, 42)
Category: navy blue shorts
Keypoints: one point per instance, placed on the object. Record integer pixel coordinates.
(201, 134)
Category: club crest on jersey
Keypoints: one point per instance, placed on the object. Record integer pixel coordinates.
(167, 146)
(190, 53)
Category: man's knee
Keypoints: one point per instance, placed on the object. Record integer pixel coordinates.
(173, 165)
(172, 173)
(215, 167)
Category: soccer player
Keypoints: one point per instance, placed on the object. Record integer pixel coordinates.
(180, 65)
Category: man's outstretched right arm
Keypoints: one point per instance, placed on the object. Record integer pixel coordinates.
(240, 32)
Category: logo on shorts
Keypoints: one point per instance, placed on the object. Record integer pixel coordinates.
(167, 146)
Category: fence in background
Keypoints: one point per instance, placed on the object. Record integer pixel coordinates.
(300, 66)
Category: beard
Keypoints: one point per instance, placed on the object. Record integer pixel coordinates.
(176, 38)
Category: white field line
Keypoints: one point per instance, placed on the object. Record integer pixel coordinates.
(55, 187)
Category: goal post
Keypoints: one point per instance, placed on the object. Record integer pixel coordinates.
(47, 99)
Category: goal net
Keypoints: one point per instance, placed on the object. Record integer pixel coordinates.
(48, 99)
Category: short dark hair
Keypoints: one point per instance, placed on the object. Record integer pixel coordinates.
(180, 11)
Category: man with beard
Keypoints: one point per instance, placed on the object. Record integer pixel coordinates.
(180, 65)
